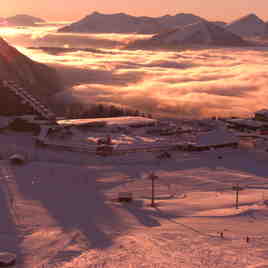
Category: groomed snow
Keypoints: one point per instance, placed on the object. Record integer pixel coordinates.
(60, 208)
(218, 136)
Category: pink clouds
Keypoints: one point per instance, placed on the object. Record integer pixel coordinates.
(196, 83)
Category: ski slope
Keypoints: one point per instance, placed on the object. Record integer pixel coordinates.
(64, 214)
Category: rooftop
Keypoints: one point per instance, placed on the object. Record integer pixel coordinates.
(109, 121)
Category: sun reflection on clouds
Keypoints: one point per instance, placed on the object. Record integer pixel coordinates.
(7, 31)
(196, 83)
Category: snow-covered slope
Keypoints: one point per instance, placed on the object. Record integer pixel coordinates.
(249, 25)
(23, 20)
(56, 214)
(202, 33)
(39, 79)
(123, 23)
(218, 136)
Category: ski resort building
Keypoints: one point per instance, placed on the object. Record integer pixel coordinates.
(122, 121)
(245, 124)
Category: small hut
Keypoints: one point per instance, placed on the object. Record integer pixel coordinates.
(125, 197)
(17, 159)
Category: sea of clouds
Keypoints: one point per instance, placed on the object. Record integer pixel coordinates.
(188, 83)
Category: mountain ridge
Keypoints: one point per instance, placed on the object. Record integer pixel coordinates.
(202, 33)
(96, 22)
(38, 79)
(123, 23)
(21, 20)
(247, 26)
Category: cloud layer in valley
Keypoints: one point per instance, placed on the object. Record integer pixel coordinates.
(185, 83)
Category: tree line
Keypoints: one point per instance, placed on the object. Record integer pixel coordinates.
(80, 110)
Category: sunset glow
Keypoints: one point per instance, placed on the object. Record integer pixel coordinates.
(73, 10)
(135, 142)
(200, 83)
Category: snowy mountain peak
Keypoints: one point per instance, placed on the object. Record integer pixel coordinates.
(201, 33)
(252, 17)
(249, 25)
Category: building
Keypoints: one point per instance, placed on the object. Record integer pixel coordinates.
(121, 121)
(244, 124)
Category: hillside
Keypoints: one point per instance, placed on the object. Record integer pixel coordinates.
(40, 80)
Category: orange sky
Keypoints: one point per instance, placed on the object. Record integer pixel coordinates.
(72, 10)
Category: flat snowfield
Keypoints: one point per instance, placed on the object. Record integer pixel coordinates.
(64, 214)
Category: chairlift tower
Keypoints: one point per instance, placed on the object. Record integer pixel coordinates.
(153, 177)
(237, 188)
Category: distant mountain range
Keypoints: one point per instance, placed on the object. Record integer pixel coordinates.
(38, 79)
(21, 20)
(247, 26)
(123, 23)
(202, 33)
(62, 50)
